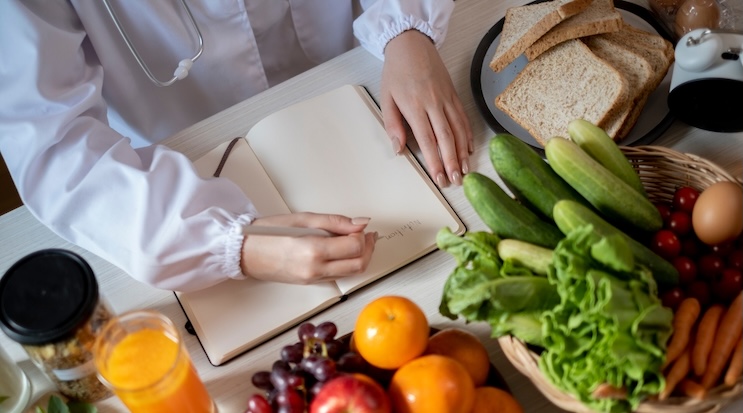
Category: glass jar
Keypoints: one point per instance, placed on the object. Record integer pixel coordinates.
(15, 389)
(50, 304)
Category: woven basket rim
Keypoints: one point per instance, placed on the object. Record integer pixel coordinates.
(661, 169)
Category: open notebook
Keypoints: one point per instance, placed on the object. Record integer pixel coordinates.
(327, 154)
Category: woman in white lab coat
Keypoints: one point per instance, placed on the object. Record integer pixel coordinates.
(80, 119)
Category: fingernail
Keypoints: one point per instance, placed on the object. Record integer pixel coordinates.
(465, 167)
(456, 178)
(396, 145)
(441, 180)
(360, 220)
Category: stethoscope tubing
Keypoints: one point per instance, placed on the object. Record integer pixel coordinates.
(183, 66)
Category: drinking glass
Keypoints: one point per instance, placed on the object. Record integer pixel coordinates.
(15, 389)
(140, 355)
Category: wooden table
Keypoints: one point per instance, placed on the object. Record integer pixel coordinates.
(21, 233)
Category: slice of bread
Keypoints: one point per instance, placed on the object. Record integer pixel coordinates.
(523, 25)
(634, 67)
(599, 17)
(655, 50)
(566, 82)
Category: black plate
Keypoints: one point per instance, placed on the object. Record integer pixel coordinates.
(487, 84)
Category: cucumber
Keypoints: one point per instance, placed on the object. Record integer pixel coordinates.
(570, 215)
(612, 197)
(533, 257)
(605, 151)
(504, 215)
(528, 176)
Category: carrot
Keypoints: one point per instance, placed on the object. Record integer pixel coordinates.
(735, 369)
(730, 328)
(705, 336)
(692, 389)
(678, 371)
(683, 321)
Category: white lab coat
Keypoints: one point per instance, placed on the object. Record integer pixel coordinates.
(78, 116)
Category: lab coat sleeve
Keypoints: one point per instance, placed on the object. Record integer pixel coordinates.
(382, 20)
(144, 210)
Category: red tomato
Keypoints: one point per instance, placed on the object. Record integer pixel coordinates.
(728, 286)
(672, 298)
(684, 199)
(665, 211)
(666, 244)
(686, 268)
(699, 290)
(710, 266)
(735, 259)
(679, 222)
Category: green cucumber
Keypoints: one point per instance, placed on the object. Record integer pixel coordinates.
(533, 257)
(570, 215)
(612, 197)
(504, 215)
(601, 147)
(528, 176)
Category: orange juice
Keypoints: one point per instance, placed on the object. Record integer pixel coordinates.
(149, 369)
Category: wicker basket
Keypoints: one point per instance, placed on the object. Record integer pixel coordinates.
(661, 171)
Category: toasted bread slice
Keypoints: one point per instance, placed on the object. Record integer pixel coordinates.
(634, 67)
(523, 25)
(566, 82)
(599, 17)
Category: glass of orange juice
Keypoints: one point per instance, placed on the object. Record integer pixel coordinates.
(141, 357)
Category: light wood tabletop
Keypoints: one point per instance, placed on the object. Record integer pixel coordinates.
(422, 281)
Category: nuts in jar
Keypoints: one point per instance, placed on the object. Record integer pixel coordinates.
(50, 304)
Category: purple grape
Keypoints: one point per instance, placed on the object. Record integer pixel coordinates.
(292, 353)
(326, 331)
(352, 363)
(295, 380)
(281, 365)
(258, 403)
(306, 331)
(280, 378)
(262, 380)
(324, 369)
(334, 349)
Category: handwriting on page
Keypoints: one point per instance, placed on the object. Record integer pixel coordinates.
(402, 230)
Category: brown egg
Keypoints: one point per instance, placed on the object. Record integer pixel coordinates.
(697, 14)
(718, 213)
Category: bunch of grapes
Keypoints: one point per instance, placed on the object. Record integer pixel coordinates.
(302, 370)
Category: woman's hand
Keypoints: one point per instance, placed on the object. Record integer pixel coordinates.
(309, 259)
(417, 88)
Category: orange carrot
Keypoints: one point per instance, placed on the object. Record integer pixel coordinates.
(678, 371)
(729, 330)
(735, 369)
(691, 388)
(705, 336)
(683, 321)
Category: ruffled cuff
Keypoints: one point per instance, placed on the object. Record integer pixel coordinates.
(385, 20)
(233, 248)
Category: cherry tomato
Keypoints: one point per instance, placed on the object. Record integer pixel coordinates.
(722, 249)
(684, 199)
(691, 246)
(665, 211)
(728, 286)
(686, 268)
(679, 222)
(672, 298)
(735, 259)
(666, 244)
(699, 290)
(710, 266)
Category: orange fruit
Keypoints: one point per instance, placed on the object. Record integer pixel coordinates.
(432, 384)
(494, 400)
(390, 331)
(464, 347)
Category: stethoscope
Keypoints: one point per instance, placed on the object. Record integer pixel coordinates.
(183, 66)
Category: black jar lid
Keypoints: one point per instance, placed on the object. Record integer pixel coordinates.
(46, 296)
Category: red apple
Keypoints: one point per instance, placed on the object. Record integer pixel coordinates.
(351, 393)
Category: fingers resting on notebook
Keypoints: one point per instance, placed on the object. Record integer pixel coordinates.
(417, 89)
(308, 259)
